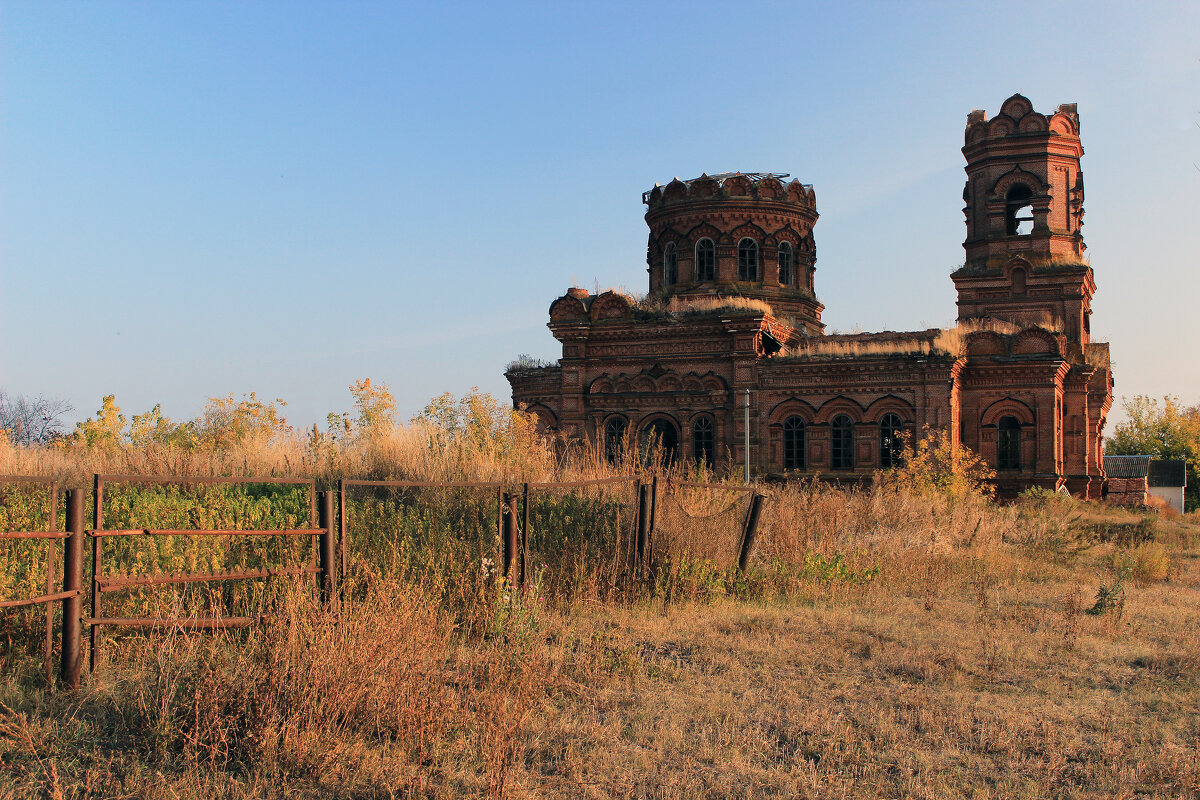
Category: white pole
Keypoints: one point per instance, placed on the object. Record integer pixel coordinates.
(747, 421)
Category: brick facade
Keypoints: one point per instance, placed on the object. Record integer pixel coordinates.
(732, 307)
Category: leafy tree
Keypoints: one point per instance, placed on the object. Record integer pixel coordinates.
(1167, 431)
(153, 428)
(106, 429)
(932, 465)
(227, 422)
(375, 405)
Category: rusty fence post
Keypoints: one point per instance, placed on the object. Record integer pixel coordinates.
(750, 532)
(94, 606)
(341, 537)
(643, 527)
(327, 570)
(509, 539)
(72, 607)
(51, 579)
(524, 563)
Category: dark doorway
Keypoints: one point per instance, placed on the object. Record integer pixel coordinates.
(661, 434)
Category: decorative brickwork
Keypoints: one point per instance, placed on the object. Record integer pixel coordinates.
(732, 317)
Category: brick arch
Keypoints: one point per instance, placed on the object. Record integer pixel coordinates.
(713, 382)
(1016, 175)
(1033, 122)
(771, 189)
(1016, 106)
(891, 404)
(839, 405)
(792, 407)
(747, 230)
(1002, 125)
(703, 188)
(788, 234)
(610, 305)
(547, 420)
(567, 308)
(705, 230)
(1035, 341)
(1006, 407)
(602, 385)
(1062, 123)
(675, 190)
(986, 343)
(738, 186)
(643, 383)
(669, 383)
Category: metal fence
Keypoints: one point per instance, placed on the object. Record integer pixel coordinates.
(598, 538)
(50, 534)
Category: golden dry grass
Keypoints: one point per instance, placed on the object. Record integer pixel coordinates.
(892, 641)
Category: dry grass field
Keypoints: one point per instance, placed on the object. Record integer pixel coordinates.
(911, 639)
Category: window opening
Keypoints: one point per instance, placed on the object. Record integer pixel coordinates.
(841, 442)
(891, 441)
(614, 438)
(662, 435)
(1008, 443)
(706, 261)
(747, 260)
(1019, 211)
(703, 441)
(793, 443)
(670, 265)
(785, 263)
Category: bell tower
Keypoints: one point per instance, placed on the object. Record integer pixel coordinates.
(1023, 200)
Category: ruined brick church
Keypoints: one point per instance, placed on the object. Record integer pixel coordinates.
(732, 319)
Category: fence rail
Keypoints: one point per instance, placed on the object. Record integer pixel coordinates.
(49, 535)
(541, 530)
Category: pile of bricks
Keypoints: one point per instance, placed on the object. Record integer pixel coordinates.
(1126, 491)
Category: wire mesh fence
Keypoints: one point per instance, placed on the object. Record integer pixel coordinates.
(443, 536)
(700, 522)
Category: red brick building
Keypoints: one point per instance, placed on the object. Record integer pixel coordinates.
(732, 315)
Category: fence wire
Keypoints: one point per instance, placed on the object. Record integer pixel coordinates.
(582, 539)
(444, 537)
(700, 523)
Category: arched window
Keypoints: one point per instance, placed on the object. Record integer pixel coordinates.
(1008, 443)
(891, 441)
(670, 264)
(614, 438)
(793, 443)
(1018, 281)
(706, 261)
(1018, 202)
(747, 260)
(703, 440)
(660, 441)
(841, 442)
(785, 263)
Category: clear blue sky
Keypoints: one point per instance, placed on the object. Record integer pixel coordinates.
(204, 198)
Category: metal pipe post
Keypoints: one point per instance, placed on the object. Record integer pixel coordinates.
(750, 533)
(94, 606)
(509, 539)
(72, 607)
(643, 527)
(328, 572)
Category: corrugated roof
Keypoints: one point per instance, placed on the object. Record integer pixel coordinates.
(1126, 466)
(1168, 472)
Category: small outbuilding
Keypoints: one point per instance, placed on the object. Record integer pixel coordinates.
(1133, 480)
(1168, 479)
